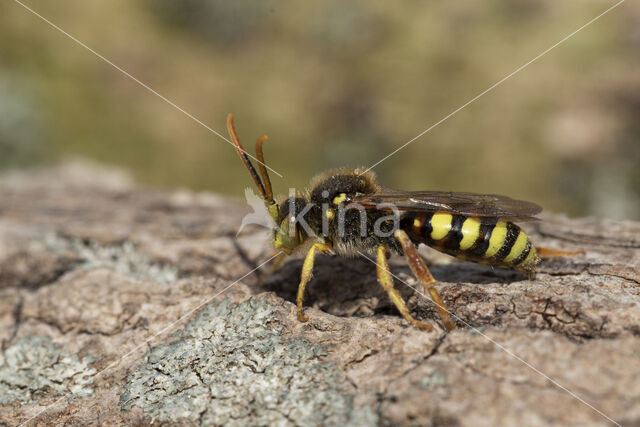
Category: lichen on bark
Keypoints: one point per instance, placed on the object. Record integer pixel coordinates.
(35, 366)
(232, 366)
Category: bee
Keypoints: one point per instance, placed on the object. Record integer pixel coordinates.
(345, 212)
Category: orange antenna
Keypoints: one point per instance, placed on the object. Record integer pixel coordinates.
(263, 169)
(245, 159)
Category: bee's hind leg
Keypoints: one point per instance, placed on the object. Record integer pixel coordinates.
(385, 279)
(422, 273)
(307, 273)
(550, 253)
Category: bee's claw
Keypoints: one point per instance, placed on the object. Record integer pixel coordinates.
(302, 317)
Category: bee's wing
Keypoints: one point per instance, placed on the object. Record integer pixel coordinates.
(468, 204)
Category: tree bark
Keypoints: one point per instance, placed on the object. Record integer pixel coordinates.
(125, 305)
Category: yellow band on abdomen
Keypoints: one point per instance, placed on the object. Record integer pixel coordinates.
(470, 232)
(530, 261)
(498, 234)
(440, 224)
(518, 247)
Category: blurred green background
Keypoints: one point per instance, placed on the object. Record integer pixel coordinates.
(335, 84)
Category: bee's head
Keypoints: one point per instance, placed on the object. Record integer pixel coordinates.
(286, 236)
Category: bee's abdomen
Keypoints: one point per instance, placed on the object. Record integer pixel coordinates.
(498, 243)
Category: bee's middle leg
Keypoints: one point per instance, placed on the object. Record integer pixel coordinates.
(385, 279)
(422, 273)
(307, 273)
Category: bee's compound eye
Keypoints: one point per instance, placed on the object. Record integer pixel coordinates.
(286, 237)
(325, 194)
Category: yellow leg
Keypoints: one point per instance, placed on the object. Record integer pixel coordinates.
(550, 253)
(422, 273)
(385, 279)
(307, 273)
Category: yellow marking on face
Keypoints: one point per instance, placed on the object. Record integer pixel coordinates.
(339, 199)
(330, 214)
(496, 241)
(441, 225)
(470, 233)
(517, 248)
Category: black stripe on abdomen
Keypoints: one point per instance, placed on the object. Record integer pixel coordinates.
(511, 237)
(452, 241)
(418, 226)
(482, 244)
(523, 255)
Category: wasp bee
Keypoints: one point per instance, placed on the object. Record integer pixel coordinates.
(346, 212)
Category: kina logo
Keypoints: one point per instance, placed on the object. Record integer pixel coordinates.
(260, 215)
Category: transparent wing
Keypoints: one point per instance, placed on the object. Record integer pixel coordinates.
(469, 204)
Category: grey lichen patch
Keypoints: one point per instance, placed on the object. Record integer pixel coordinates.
(33, 366)
(233, 366)
(124, 259)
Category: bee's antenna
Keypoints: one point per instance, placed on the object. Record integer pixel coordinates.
(263, 169)
(245, 159)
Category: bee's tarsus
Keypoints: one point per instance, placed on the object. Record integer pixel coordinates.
(551, 253)
(302, 317)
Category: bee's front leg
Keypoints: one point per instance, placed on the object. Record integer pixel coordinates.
(307, 273)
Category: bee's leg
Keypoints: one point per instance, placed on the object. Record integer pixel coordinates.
(550, 253)
(422, 273)
(307, 272)
(385, 279)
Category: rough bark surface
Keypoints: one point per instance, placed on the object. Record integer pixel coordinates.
(116, 307)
